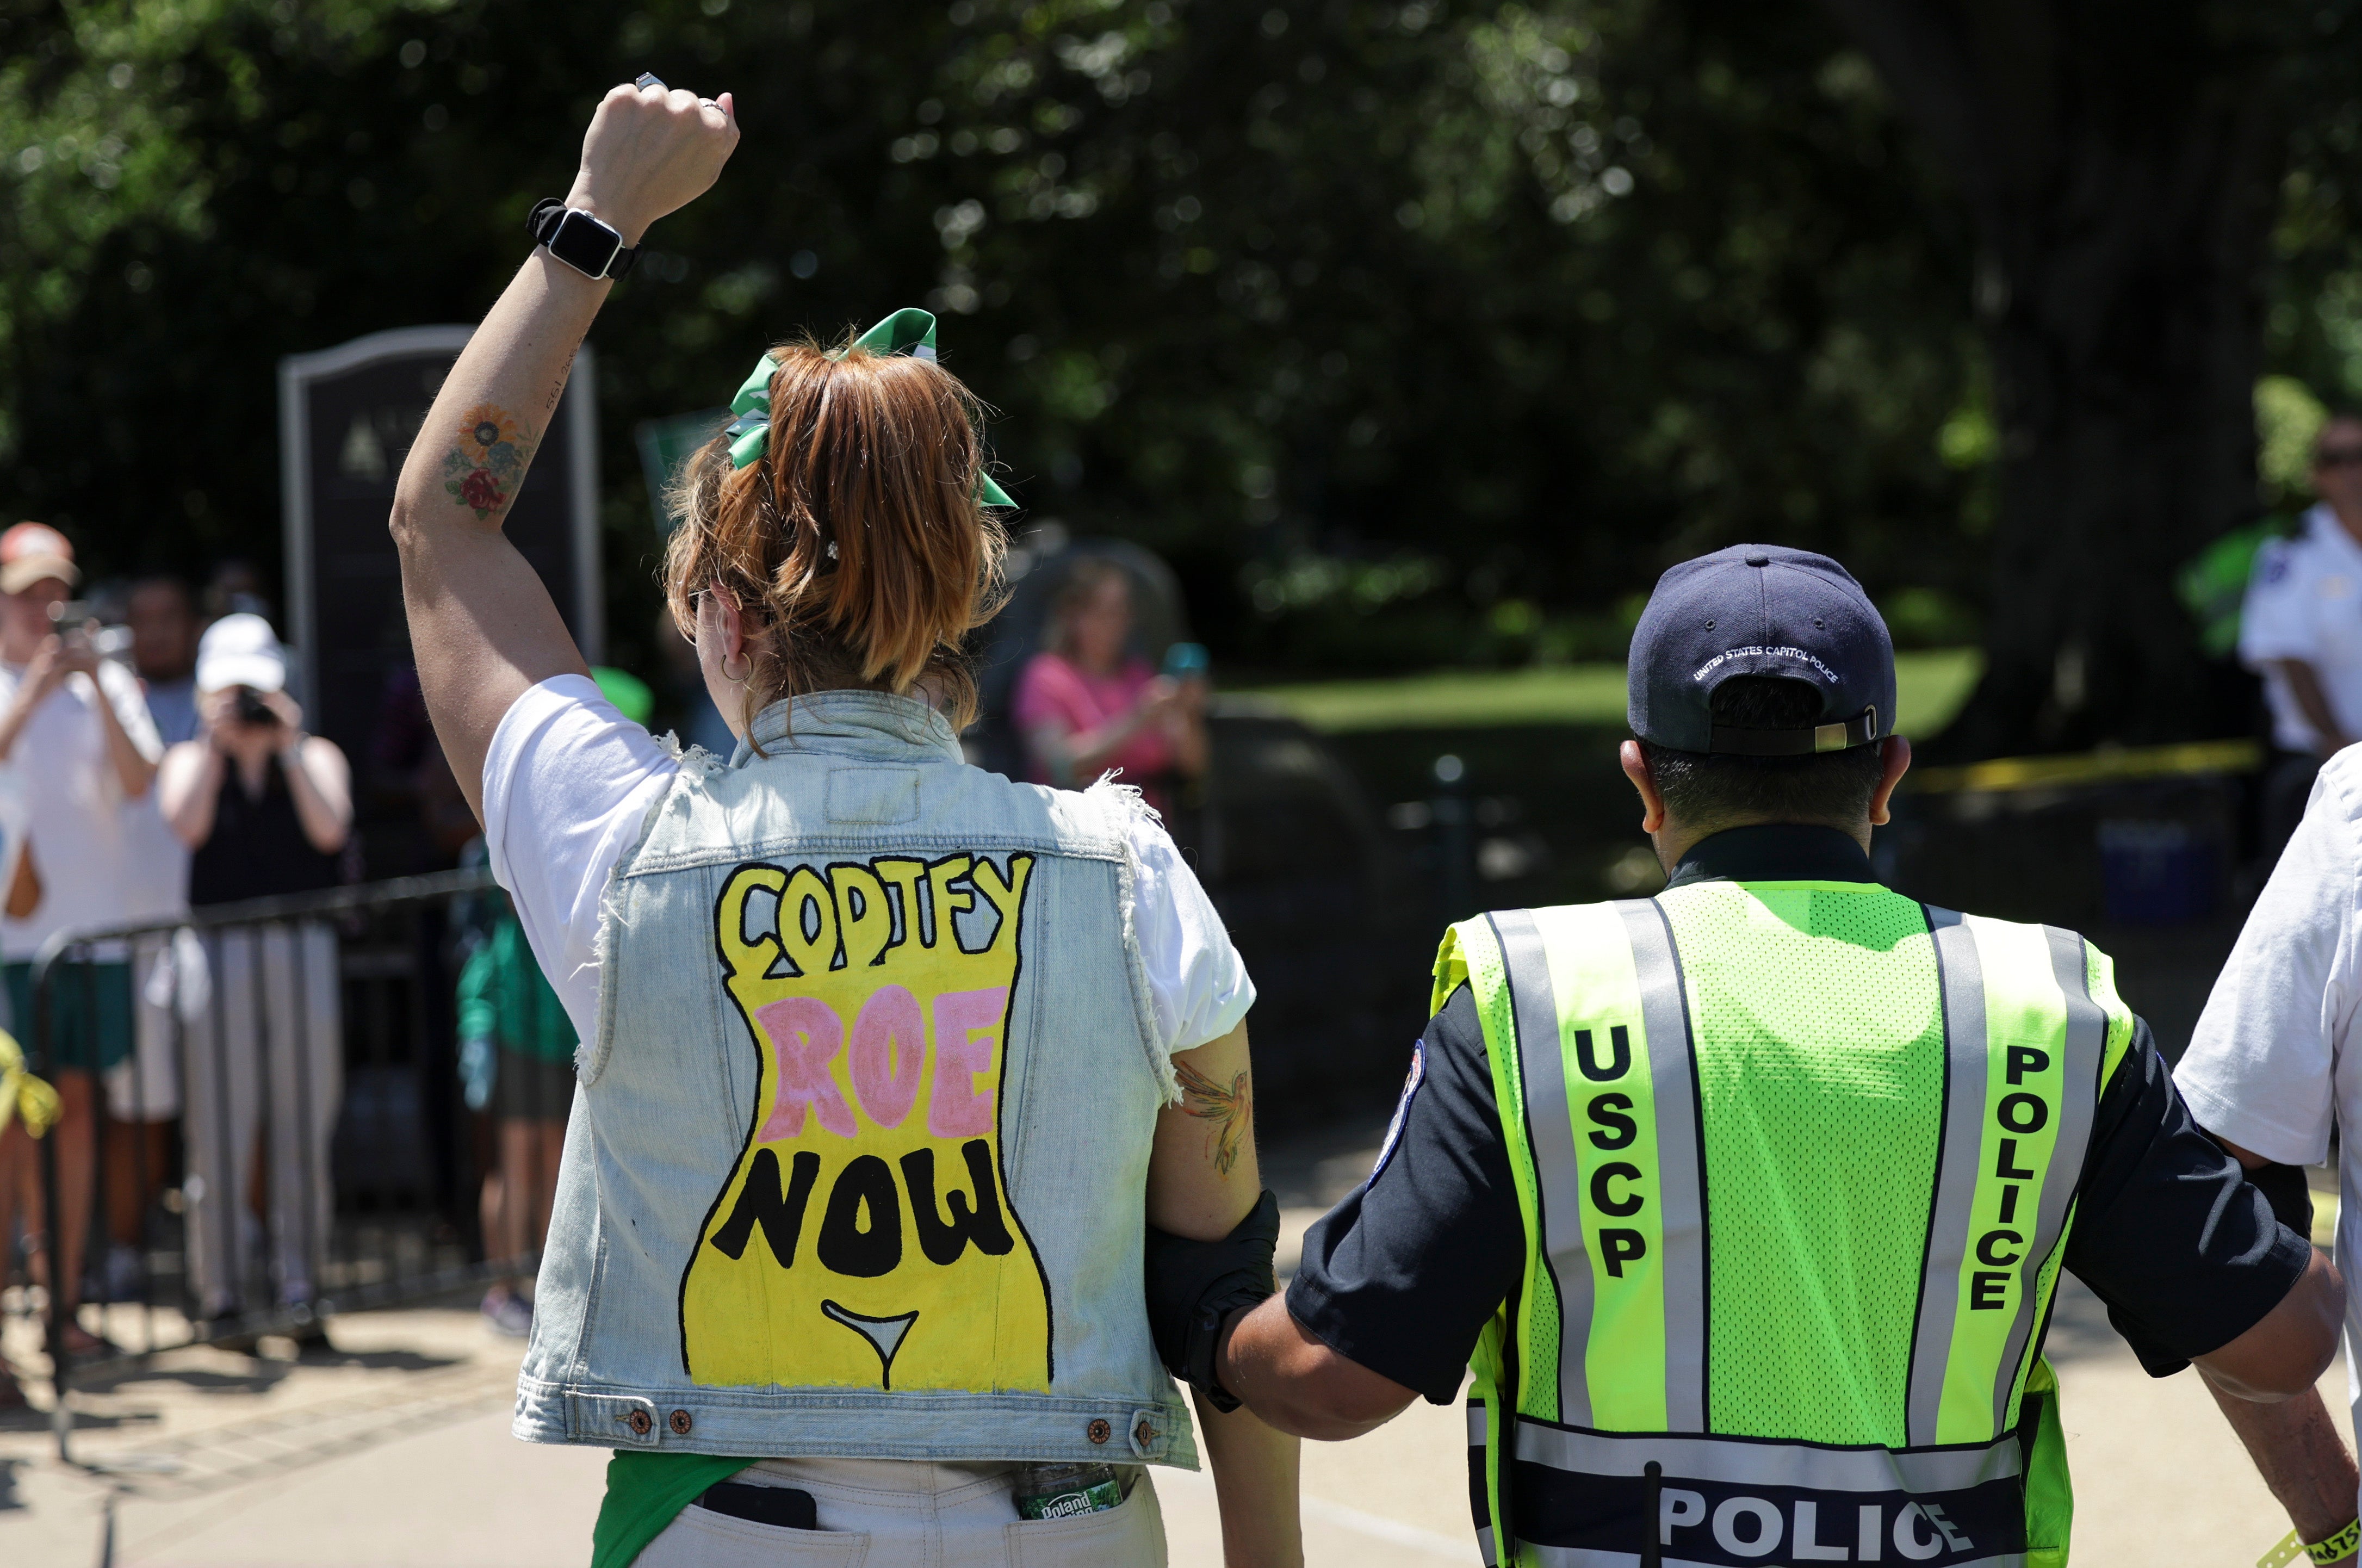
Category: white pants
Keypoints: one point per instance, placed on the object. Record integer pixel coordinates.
(267, 1050)
(146, 1086)
(889, 1513)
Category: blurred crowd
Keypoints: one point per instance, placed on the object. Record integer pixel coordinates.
(155, 759)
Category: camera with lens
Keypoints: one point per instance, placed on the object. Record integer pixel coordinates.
(77, 623)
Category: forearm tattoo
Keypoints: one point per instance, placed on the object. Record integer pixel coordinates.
(486, 465)
(1231, 1111)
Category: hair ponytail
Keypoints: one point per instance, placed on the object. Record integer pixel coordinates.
(856, 546)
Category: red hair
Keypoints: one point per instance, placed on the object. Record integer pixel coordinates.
(855, 543)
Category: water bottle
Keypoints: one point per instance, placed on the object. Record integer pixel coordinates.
(1062, 1491)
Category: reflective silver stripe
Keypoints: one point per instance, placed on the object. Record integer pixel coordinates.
(1664, 1014)
(1966, 1065)
(2079, 1093)
(1740, 1462)
(1558, 1178)
(1479, 1436)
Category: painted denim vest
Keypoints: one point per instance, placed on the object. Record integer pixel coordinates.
(857, 1166)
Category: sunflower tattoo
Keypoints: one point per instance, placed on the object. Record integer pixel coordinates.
(482, 471)
(1230, 1109)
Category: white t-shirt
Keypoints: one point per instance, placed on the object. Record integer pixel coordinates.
(2269, 1067)
(74, 804)
(568, 781)
(2304, 601)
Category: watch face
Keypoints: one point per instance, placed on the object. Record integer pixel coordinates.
(585, 244)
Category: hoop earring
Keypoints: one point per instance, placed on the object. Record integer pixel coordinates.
(736, 680)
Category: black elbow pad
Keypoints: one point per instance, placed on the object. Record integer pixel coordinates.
(2291, 1195)
(1192, 1286)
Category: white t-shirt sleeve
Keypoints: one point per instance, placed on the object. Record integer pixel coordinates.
(2260, 1070)
(568, 782)
(1197, 984)
(121, 689)
(2276, 618)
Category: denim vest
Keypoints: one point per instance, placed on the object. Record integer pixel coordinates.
(857, 1167)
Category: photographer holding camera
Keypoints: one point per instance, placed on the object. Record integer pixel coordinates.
(265, 809)
(76, 732)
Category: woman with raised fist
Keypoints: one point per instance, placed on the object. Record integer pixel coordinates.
(890, 1067)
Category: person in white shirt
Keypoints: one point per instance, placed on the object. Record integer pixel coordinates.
(2272, 1071)
(74, 730)
(2301, 629)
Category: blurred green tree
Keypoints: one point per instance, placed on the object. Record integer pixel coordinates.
(2122, 163)
(1411, 332)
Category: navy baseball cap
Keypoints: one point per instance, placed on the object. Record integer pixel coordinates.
(1760, 610)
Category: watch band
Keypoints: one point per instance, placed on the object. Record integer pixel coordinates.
(579, 239)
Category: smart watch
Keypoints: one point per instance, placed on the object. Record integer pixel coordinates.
(591, 248)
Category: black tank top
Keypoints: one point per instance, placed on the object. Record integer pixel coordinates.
(257, 848)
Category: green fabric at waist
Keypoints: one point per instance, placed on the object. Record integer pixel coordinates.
(646, 1492)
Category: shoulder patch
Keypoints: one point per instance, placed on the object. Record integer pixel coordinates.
(1411, 1080)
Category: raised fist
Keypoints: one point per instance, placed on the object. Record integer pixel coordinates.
(650, 151)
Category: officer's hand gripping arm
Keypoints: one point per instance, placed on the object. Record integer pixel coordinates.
(1298, 1385)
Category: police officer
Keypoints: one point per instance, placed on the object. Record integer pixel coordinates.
(1746, 1203)
(2301, 629)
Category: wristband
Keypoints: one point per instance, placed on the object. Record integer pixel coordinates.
(2339, 1548)
(2342, 1546)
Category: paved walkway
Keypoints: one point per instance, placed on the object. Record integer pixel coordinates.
(393, 1451)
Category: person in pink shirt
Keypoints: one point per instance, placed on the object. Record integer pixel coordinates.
(1083, 706)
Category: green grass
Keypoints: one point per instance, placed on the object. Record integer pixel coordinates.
(1930, 688)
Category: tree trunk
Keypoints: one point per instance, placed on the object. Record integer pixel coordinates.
(2122, 163)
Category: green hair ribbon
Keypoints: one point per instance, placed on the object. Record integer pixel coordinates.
(910, 331)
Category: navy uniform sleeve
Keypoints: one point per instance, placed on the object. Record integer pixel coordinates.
(1402, 1275)
(2168, 1229)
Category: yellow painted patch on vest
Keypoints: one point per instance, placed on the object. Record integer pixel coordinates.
(865, 1237)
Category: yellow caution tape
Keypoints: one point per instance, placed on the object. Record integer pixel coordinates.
(2110, 765)
(22, 1094)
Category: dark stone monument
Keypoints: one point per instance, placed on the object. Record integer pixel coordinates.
(347, 418)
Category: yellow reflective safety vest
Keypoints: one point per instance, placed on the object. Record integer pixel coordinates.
(1797, 1163)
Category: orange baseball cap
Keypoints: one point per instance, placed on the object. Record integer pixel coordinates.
(31, 551)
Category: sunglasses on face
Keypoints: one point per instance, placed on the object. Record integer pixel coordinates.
(2337, 457)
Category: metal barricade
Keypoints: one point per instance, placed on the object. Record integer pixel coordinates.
(325, 1158)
